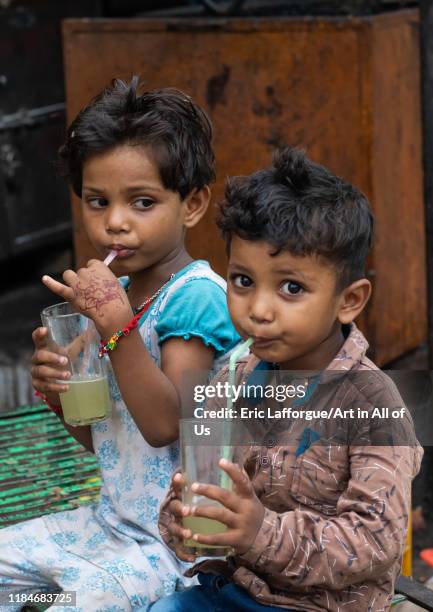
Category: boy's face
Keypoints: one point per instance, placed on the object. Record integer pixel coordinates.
(127, 208)
(288, 304)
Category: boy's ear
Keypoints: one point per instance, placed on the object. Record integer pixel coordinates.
(354, 299)
(196, 204)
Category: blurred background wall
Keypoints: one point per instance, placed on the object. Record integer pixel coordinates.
(340, 79)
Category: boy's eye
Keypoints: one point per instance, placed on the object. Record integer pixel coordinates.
(97, 202)
(291, 288)
(242, 281)
(143, 203)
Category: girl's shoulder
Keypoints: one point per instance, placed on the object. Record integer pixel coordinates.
(194, 305)
(198, 271)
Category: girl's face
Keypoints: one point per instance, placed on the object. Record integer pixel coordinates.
(127, 208)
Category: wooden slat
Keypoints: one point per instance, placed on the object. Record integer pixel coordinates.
(42, 468)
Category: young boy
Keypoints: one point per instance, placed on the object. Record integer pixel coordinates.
(319, 523)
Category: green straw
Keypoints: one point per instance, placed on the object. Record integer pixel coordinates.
(239, 352)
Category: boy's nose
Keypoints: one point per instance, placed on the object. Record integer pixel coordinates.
(116, 220)
(261, 310)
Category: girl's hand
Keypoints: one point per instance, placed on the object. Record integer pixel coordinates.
(96, 293)
(176, 529)
(242, 512)
(48, 367)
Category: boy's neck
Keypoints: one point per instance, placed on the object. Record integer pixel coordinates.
(144, 283)
(321, 356)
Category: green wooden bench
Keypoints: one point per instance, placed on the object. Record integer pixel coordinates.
(42, 468)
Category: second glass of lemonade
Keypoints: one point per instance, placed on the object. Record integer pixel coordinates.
(74, 335)
(203, 443)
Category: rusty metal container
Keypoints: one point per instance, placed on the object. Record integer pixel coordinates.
(346, 89)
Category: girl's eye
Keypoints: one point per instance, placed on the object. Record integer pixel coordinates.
(97, 202)
(143, 203)
(241, 281)
(291, 288)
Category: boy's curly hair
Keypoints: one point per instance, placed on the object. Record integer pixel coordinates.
(302, 207)
(175, 130)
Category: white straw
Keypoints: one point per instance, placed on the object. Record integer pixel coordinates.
(111, 255)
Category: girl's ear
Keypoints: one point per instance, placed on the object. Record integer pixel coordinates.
(196, 204)
(354, 299)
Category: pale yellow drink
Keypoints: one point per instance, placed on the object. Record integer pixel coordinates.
(86, 401)
(205, 526)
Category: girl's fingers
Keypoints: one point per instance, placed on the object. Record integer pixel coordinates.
(70, 277)
(94, 262)
(176, 508)
(178, 530)
(178, 484)
(43, 386)
(183, 555)
(63, 291)
(45, 357)
(39, 337)
(214, 512)
(43, 372)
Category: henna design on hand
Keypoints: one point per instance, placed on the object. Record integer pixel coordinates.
(98, 292)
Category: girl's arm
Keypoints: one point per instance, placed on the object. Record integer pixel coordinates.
(151, 394)
(82, 434)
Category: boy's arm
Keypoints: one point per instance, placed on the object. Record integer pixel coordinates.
(365, 538)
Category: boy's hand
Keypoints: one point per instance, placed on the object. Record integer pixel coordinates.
(48, 367)
(242, 513)
(95, 292)
(176, 528)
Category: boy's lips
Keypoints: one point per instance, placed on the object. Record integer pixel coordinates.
(263, 342)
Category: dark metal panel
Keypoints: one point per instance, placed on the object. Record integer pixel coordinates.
(270, 8)
(34, 207)
(33, 202)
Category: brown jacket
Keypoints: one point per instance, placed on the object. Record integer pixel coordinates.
(335, 514)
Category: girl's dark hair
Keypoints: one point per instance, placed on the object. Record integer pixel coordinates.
(176, 131)
(302, 207)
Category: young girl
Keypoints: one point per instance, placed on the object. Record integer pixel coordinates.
(141, 165)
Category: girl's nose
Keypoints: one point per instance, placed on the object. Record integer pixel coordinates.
(116, 219)
(261, 309)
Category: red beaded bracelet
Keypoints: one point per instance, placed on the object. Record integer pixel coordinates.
(53, 407)
(111, 344)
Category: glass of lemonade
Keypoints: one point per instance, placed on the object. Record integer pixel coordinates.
(203, 444)
(74, 335)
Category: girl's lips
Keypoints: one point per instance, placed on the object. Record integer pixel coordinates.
(122, 253)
